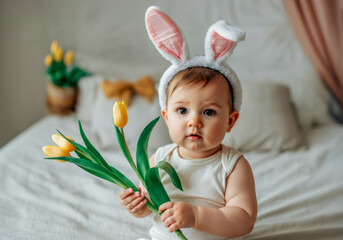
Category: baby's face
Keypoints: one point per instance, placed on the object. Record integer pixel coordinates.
(199, 117)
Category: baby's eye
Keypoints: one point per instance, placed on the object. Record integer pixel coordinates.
(181, 110)
(209, 112)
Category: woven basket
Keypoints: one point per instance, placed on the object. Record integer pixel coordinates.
(60, 100)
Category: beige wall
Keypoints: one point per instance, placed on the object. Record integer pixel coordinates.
(28, 27)
(86, 26)
(21, 71)
(25, 35)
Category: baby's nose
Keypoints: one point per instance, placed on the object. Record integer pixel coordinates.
(195, 121)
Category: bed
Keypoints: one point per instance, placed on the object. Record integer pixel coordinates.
(294, 146)
(299, 191)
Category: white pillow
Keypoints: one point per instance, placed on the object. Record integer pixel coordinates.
(86, 97)
(267, 120)
(140, 113)
(308, 93)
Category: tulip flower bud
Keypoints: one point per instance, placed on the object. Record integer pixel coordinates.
(63, 143)
(120, 114)
(53, 47)
(54, 151)
(58, 54)
(48, 60)
(68, 58)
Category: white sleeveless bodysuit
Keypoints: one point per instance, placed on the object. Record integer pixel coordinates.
(203, 182)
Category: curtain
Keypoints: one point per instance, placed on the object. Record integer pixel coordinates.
(318, 25)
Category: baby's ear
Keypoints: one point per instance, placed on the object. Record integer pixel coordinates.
(232, 120)
(164, 114)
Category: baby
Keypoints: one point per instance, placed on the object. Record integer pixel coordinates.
(200, 98)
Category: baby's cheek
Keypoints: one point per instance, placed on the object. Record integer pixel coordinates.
(175, 134)
(218, 133)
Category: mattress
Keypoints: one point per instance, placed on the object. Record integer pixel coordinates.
(300, 193)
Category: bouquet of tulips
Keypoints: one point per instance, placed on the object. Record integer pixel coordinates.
(90, 160)
(61, 68)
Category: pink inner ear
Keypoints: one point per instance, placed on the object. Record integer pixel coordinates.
(220, 45)
(164, 33)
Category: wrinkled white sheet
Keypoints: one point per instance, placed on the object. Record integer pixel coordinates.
(300, 193)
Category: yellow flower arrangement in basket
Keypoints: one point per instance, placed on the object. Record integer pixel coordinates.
(61, 68)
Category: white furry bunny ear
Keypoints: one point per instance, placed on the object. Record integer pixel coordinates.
(220, 41)
(166, 36)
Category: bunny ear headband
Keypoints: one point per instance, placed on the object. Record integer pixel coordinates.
(220, 41)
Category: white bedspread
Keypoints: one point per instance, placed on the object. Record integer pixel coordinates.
(300, 193)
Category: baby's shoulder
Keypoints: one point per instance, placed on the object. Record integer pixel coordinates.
(164, 151)
(231, 152)
(230, 156)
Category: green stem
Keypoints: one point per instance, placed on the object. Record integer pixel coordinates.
(131, 162)
(180, 234)
(151, 206)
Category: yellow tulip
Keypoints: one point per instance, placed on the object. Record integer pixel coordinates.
(63, 143)
(54, 46)
(48, 60)
(120, 114)
(54, 151)
(58, 54)
(68, 58)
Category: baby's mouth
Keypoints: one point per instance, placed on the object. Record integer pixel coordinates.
(194, 136)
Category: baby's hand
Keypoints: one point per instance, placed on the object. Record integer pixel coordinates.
(134, 202)
(177, 215)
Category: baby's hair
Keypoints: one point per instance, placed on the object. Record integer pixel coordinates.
(199, 76)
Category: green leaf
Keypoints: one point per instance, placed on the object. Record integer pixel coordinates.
(91, 148)
(98, 170)
(85, 152)
(158, 194)
(75, 74)
(142, 148)
(56, 78)
(97, 174)
(125, 179)
(154, 185)
(81, 154)
(171, 172)
(102, 160)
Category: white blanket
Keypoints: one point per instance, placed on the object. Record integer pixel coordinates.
(300, 193)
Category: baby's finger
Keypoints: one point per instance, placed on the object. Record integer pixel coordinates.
(125, 193)
(138, 207)
(168, 222)
(165, 206)
(173, 227)
(130, 198)
(135, 200)
(166, 214)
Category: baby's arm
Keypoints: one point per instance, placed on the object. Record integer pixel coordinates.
(134, 202)
(237, 218)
